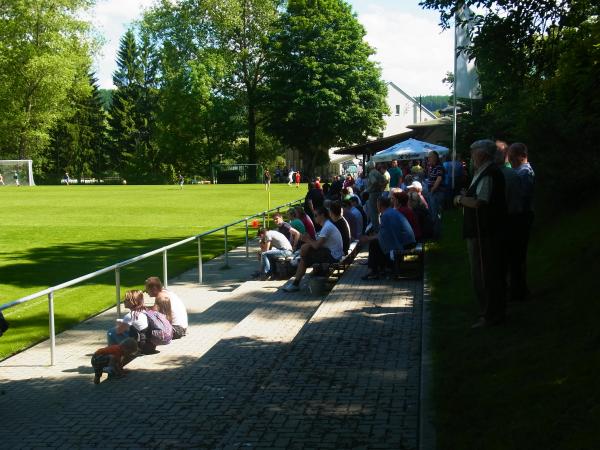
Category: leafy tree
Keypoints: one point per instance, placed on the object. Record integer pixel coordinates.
(44, 47)
(242, 28)
(78, 143)
(200, 111)
(538, 65)
(323, 89)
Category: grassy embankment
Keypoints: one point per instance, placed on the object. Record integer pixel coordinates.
(49, 235)
(532, 383)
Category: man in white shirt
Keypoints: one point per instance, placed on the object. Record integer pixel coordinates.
(273, 244)
(154, 288)
(327, 248)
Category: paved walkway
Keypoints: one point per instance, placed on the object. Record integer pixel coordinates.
(260, 368)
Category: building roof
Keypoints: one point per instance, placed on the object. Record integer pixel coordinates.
(412, 99)
(372, 147)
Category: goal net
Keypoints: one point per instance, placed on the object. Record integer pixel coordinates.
(237, 173)
(17, 172)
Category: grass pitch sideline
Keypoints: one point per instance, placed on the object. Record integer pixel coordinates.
(51, 234)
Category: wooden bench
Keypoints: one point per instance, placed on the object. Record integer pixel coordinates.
(329, 270)
(410, 264)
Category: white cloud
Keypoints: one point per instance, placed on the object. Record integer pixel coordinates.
(111, 18)
(412, 50)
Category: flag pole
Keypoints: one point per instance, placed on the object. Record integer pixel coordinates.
(454, 114)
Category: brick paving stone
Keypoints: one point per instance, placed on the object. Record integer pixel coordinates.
(259, 368)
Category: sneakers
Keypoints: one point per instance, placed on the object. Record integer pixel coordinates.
(291, 288)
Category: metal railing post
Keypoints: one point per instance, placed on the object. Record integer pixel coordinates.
(264, 220)
(165, 270)
(247, 242)
(226, 252)
(51, 326)
(118, 290)
(199, 261)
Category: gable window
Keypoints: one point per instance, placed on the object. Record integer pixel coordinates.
(397, 110)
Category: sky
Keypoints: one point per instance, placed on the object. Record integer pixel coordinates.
(412, 50)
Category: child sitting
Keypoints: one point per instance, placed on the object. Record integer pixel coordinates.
(113, 358)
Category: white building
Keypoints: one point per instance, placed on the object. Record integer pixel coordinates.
(404, 110)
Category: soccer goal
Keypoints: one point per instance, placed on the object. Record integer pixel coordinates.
(17, 172)
(237, 173)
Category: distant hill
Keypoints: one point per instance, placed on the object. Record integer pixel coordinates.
(434, 102)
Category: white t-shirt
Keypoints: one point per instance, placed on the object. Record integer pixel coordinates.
(333, 239)
(278, 240)
(139, 321)
(178, 310)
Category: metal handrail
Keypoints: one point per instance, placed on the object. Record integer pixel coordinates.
(117, 267)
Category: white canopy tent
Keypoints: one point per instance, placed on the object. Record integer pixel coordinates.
(409, 149)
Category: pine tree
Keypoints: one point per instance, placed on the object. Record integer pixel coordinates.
(78, 141)
(132, 153)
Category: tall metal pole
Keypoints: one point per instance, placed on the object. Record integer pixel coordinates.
(51, 326)
(454, 128)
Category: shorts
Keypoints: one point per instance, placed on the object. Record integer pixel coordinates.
(319, 255)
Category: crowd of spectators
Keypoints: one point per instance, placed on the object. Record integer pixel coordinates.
(392, 207)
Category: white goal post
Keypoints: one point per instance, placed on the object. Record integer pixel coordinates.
(17, 172)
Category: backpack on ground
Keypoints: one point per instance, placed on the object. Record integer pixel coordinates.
(161, 330)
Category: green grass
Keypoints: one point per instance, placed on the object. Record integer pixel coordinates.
(49, 235)
(532, 383)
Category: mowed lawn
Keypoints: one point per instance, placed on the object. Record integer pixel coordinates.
(51, 234)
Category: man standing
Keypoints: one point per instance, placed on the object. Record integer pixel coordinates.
(483, 226)
(327, 248)
(375, 186)
(395, 233)
(395, 175)
(518, 157)
(180, 180)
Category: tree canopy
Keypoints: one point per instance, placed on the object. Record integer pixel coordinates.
(323, 90)
(538, 63)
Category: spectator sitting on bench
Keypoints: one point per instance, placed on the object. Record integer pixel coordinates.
(335, 215)
(400, 202)
(154, 288)
(348, 194)
(357, 208)
(273, 244)
(286, 229)
(295, 222)
(327, 248)
(354, 219)
(306, 221)
(395, 233)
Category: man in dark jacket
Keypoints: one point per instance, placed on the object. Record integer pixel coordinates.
(483, 227)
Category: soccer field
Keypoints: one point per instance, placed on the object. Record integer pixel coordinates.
(51, 234)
